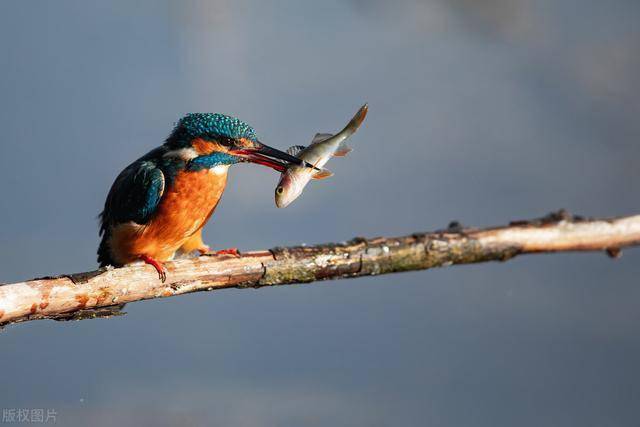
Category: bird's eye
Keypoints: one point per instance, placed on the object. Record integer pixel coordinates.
(279, 190)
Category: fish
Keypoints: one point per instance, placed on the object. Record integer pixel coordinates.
(323, 146)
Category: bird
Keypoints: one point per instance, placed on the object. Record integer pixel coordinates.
(158, 205)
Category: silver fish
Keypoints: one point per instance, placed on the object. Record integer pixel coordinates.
(322, 148)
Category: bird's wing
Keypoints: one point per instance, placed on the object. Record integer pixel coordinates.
(135, 194)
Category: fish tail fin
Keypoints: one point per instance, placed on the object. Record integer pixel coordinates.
(356, 121)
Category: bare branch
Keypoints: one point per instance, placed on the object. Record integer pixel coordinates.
(103, 292)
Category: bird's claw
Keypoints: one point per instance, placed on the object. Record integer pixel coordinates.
(162, 274)
(160, 268)
(231, 251)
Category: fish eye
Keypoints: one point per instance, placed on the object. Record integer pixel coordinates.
(279, 190)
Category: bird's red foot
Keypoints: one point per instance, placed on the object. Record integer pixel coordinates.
(231, 251)
(160, 268)
(205, 250)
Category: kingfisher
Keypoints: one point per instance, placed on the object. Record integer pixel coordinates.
(159, 204)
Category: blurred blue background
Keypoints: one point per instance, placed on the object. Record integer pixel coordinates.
(480, 111)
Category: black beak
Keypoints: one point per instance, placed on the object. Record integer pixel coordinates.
(264, 155)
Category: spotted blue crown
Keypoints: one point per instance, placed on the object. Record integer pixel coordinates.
(210, 126)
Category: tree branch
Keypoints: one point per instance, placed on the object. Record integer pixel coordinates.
(103, 292)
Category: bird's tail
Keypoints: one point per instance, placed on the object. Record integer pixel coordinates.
(104, 254)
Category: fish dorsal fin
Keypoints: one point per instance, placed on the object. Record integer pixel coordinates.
(321, 137)
(322, 174)
(295, 150)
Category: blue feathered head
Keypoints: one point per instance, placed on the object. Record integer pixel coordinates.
(209, 126)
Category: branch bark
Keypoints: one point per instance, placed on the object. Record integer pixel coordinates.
(103, 292)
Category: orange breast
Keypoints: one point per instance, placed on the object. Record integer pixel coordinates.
(184, 209)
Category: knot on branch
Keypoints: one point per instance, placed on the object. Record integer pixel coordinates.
(550, 219)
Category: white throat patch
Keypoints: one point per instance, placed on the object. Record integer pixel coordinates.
(219, 170)
(185, 154)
